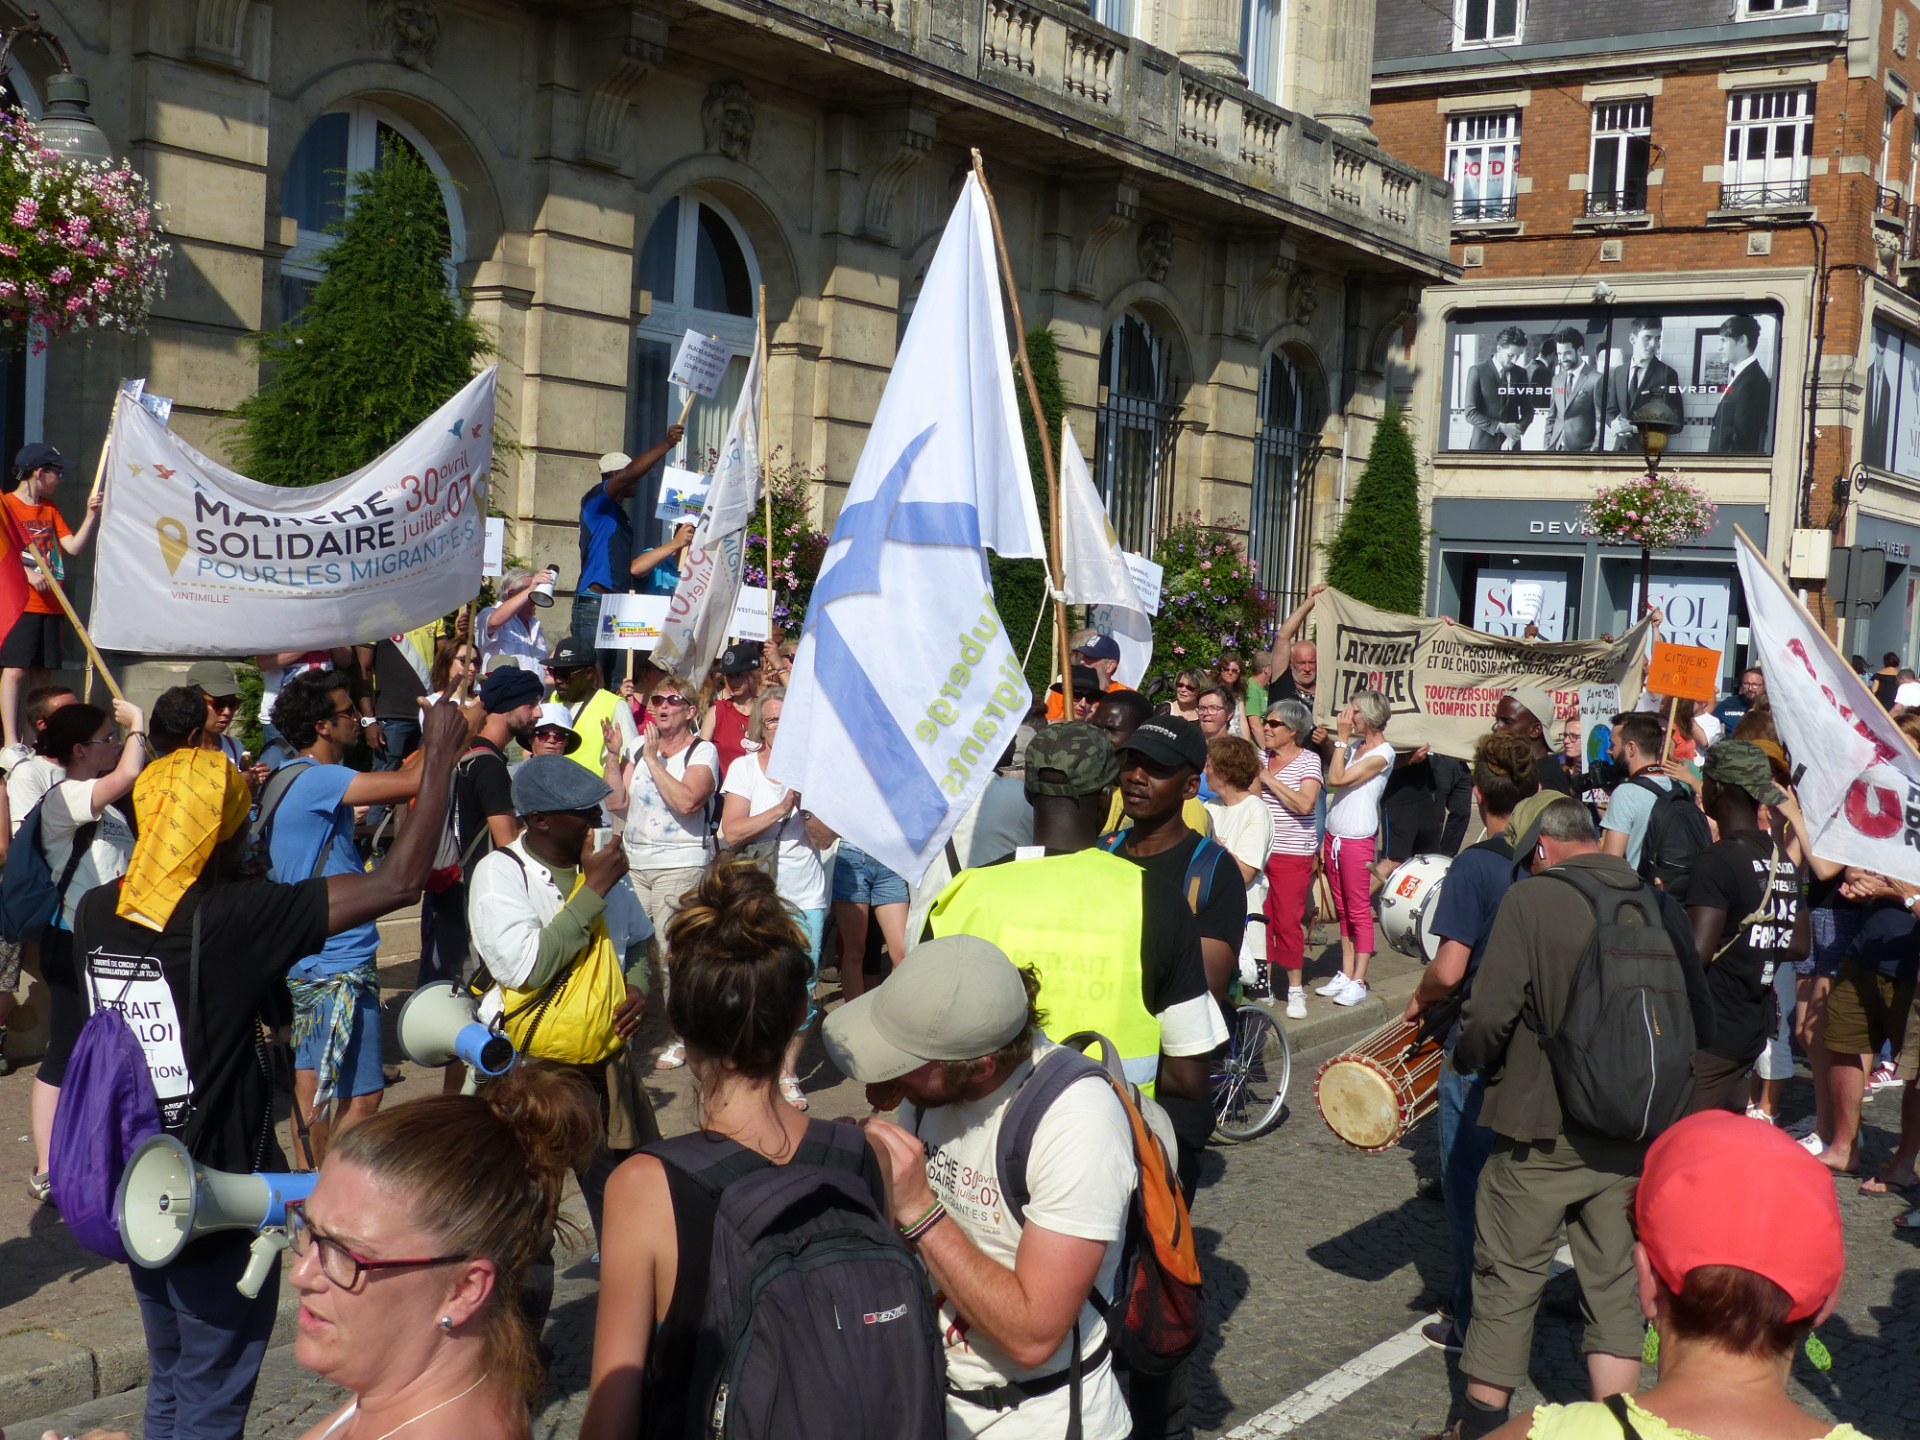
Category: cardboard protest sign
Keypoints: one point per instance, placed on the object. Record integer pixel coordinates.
(493, 559)
(1442, 681)
(630, 622)
(1686, 671)
(701, 363)
(1147, 578)
(682, 493)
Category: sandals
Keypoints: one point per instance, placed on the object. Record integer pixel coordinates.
(1908, 1221)
(1883, 1185)
(791, 1092)
(673, 1057)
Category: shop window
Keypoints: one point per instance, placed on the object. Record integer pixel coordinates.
(1483, 164)
(1285, 448)
(1134, 429)
(1487, 22)
(1621, 156)
(1769, 148)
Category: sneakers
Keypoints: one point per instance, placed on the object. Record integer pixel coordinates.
(1754, 1112)
(40, 1186)
(1812, 1143)
(1296, 1004)
(1353, 994)
(1442, 1336)
(1884, 1077)
(1334, 986)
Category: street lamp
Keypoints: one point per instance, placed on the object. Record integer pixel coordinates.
(1657, 419)
(66, 126)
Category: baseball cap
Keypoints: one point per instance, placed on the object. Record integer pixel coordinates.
(1169, 740)
(1536, 702)
(572, 653)
(614, 460)
(1079, 752)
(37, 456)
(1524, 825)
(739, 658)
(550, 784)
(1720, 1189)
(955, 998)
(1101, 647)
(508, 688)
(555, 717)
(216, 677)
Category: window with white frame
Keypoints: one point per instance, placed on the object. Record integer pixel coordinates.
(1263, 42)
(1767, 9)
(1115, 14)
(1622, 154)
(1769, 148)
(316, 193)
(1483, 164)
(1487, 22)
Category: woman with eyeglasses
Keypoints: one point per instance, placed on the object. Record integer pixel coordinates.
(81, 811)
(1187, 686)
(1213, 712)
(1290, 780)
(664, 795)
(1230, 674)
(762, 818)
(411, 1255)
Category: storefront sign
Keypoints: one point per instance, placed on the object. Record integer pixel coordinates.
(1505, 602)
(1693, 608)
(1484, 522)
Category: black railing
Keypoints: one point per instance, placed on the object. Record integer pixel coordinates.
(1888, 202)
(1488, 207)
(1766, 195)
(1617, 202)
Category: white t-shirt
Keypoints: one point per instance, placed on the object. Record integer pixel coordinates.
(520, 640)
(275, 678)
(69, 805)
(799, 877)
(1245, 829)
(1353, 811)
(27, 781)
(657, 838)
(1081, 1175)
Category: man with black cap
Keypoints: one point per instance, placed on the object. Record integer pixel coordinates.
(479, 819)
(954, 1034)
(1160, 767)
(606, 533)
(1086, 695)
(725, 724)
(545, 907)
(1096, 657)
(1527, 711)
(32, 647)
(575, 672)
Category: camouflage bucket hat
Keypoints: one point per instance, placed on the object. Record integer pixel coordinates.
(1078, 752)
(1743, 765)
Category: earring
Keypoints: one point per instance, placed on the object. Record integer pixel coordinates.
(446, 1323)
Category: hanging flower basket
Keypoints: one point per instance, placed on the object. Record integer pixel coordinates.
(1655, 512)
(80, 244)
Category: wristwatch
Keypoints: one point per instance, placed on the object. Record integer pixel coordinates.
(367, 722)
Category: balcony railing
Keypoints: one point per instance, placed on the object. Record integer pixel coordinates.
(1765, 195)
(1625, 203)
(1888, 202)
(1487, 207)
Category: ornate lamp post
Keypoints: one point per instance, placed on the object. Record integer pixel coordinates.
(1657, 419)
(66, 126)
(1653, 511)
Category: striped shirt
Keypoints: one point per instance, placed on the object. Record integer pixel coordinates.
(1292, 834)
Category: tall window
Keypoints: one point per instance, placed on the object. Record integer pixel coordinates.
(1281, 543)
(1262, 41)
(1134, 433)
(315, 195)
(23, 374)
(1622, 151)
(1769, 148)
(1483, 164)
(1117, 14)
(700, 270)
(1766, 9)
(1887, 121)
(1487, 22)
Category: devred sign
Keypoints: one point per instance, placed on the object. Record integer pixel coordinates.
(1687, 671)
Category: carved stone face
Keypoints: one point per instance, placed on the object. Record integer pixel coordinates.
(1156, 250)
(728, 114)
(410, 29)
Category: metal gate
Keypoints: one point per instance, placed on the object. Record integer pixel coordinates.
(1285, 451)
(1134, 432)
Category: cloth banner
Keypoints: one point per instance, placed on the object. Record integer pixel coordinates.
(196, 560)
(695, 630)
(1442, 680)
(1096, 568)
(905, 689)
(1855, 775)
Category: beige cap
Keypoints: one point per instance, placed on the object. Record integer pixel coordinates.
(955, 998)
(613, 460)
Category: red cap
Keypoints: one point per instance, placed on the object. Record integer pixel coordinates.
(1721, 1189)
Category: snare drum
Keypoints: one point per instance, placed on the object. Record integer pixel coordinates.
(1407, 904)
(1376, 1092)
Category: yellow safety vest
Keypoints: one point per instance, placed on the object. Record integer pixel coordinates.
(1076, 920)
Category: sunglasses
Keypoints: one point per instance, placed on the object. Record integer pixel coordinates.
(666, 702)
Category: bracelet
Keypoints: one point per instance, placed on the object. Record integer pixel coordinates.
(912, 1233)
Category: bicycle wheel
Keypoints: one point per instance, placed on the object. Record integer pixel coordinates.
(1250, 1086)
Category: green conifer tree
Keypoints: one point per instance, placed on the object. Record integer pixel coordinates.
(1020, 586)
(1379, 556)
(382, 343)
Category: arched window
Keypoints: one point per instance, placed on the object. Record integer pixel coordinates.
(1134, 430)
(315, 195)
(1280, 541)
(700, 270)
(23, 374)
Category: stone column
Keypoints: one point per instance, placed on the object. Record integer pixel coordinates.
(1347, 72)
(1210, 37)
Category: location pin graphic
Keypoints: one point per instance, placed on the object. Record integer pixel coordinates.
(173, 541)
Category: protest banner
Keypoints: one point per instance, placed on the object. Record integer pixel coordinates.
(197, 560)
(494, 559)
(1097, 572)
(1598, 705)
(1685, 672)
(630, 622)
(1856, 776)
(750, 613)
(682, 493)
(1442, 680)
(701, 364)
(1147, 577)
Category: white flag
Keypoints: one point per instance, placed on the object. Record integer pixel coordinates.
(701, 610)
(1097, 572)
(905, 690)
(1856, 777)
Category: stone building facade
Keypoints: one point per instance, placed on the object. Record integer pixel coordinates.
(1223, 275)
(1684, 162)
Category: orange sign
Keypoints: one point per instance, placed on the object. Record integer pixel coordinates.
(1687, 671)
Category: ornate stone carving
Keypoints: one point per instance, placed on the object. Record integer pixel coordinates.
(1156, 250)
(636, 53)
(728, 118)
(1260, 283)
(1120, 215)
(915, 145)
(407, 29)
(1303, 298)
(219, 32)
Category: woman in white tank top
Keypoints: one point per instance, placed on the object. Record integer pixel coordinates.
(1356, 779)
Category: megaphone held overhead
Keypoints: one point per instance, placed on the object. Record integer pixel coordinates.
(167, 1199)
(437, 1025)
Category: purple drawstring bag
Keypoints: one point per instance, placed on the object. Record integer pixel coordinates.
(107, 1107)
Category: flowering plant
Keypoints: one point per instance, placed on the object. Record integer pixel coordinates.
(79, 243)
(1656, 512)
(1210, 599)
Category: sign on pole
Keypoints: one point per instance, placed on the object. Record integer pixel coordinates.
(1687, 672)
(701, 364)
(630, 622)
(494, 558)
(682, 493)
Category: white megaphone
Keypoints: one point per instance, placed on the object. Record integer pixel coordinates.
(437, 1025)
(167, 1199)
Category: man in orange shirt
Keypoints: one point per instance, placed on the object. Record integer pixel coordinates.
(32, 648)
(1096, 652)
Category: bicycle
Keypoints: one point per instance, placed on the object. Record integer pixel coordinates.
(1249, 1082)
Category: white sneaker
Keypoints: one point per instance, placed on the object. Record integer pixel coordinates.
(1334, 986)
(1296, 1004)
(1812, 1143)
(1355, 992)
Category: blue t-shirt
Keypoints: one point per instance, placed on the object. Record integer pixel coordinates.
(606, 541)
(663, 578)
(1885, 942)
(1470, 897)
(310, 815)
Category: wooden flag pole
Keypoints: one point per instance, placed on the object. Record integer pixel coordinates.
(73, 618)
(465, 686)
(106, 449)
(1060, 629)
(760, 451)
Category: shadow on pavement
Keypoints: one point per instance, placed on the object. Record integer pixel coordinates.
(45, 1255)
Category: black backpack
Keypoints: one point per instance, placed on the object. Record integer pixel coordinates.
(30, 898)
(1676, 832)
(1622, 1056)
(818, 1322)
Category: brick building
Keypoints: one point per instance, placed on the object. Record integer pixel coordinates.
(1717, 187)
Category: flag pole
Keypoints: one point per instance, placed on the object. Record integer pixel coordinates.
(1061, 634)
(760, 453)
(93, 653)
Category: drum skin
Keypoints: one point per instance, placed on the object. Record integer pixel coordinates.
(1373, 1094)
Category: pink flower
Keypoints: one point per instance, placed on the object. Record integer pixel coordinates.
(26, 210)
(60, 275)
